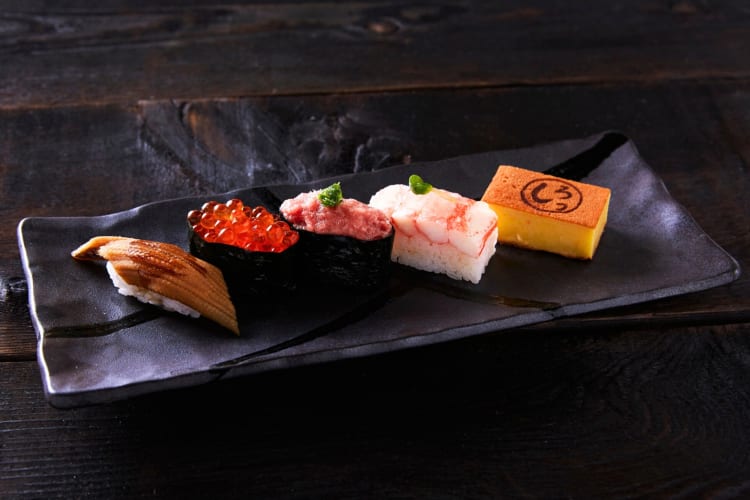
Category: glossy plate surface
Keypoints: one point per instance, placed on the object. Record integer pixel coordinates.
(95, 345)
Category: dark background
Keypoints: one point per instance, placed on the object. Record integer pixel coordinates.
(106, 107)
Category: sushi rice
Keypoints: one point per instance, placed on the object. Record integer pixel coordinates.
(440, 231)
(148, 296)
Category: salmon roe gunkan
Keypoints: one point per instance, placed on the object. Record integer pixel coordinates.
(254, 229)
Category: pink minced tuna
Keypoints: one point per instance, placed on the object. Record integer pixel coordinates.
(350, 218)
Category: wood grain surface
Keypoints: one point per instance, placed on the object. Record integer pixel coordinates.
(106, 107)
(166, 149)
(127, 51)
(605, 414)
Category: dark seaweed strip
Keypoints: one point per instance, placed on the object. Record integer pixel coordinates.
(101, 329)
(358, 313)
(245, 272)
(582, 164)
(488, 298)
(415, 278)
(343, 262)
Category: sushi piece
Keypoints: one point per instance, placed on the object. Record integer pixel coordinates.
(543, 212)
(164, 275)
(254, 248)
(343, 241)
(438, 230)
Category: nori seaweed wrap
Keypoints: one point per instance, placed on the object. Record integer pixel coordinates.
(343, 261)
(262, 267)
(248, 272)
(343, 243)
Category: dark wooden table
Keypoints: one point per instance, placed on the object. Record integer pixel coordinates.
(106, 108)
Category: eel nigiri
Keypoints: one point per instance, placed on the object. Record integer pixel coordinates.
(165, 275)
(438, 230)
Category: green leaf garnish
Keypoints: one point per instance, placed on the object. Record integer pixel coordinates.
(418, 186)
(331, 196)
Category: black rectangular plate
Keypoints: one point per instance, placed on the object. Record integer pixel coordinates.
(95, 345)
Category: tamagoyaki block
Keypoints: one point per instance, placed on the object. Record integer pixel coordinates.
(548, 213)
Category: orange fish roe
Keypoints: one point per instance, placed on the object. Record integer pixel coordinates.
(254, 229)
